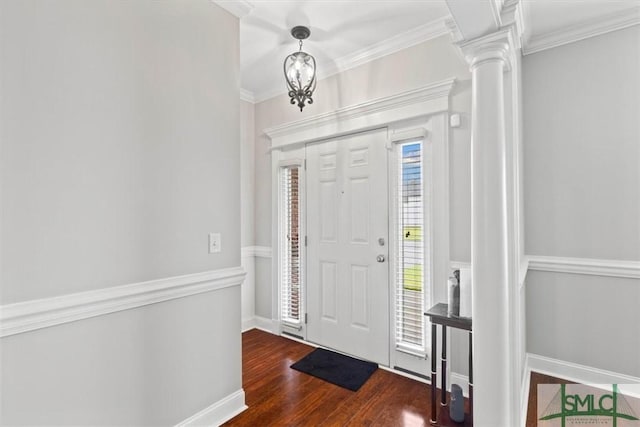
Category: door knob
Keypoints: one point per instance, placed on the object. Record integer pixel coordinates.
(380, 258)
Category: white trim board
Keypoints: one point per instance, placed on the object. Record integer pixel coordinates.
(267, 325)
(257, 251)
(248, 324)
(569, 371)
(574, 372)
(36, 314)
(247, 96)
(524, 392)
(583, 30)
(461, 380)
(588, 266)
(424, 101)
(456, 265)
(218, 413)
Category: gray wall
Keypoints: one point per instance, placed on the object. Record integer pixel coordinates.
(155, 366)
(582, 197)
(247, 173)
(119, 125)
(120, 153)
(408, 69)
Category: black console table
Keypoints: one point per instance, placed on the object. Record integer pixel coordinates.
(438, 315)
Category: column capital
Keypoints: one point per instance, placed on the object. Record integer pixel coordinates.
(496, 46)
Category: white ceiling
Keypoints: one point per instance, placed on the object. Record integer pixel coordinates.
(347, 31)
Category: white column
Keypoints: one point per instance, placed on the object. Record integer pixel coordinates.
(492, 358)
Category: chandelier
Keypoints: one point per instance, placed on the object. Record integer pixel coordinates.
(300, 71)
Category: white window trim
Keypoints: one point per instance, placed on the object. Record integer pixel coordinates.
(280, 160)
(288, 165)
(397, 139)
(434, 131)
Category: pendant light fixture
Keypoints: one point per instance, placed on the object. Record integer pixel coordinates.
(300, 71)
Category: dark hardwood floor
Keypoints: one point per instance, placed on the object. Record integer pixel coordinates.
(280, 396)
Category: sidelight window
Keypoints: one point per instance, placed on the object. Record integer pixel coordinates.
(410, 275)
(290, 248)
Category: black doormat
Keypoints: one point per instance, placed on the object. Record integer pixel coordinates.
(338, 369)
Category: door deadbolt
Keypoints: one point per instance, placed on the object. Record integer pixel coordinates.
(381, 241)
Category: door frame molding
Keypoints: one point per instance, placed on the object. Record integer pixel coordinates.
(395, 112)
(377, 113)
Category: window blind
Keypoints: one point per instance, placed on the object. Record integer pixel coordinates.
(291, 286)
(410, 232)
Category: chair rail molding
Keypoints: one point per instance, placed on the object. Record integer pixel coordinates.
(41, 313)
(588, 266)
(257, 251)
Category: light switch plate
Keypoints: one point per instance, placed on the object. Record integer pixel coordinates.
(215, 243)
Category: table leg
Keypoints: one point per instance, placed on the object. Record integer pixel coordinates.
(434, 351)
(471, 374)
(443, 372)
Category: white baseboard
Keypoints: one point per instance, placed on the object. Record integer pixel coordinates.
(267, 325)
(572, 372)
(575, 372)
(218, 413)
(461, 380)
(248, 324)
(524, 391)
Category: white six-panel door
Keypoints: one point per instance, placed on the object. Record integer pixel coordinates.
(347, 253)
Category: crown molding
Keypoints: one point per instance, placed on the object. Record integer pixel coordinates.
(247, 96)
(239, 8)
(421, 34)
(581, 31)
(42, 313)
(588, 266)
(429, 31)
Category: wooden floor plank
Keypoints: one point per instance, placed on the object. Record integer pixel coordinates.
(279, 396)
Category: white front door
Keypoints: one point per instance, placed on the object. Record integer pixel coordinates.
(348, 245)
